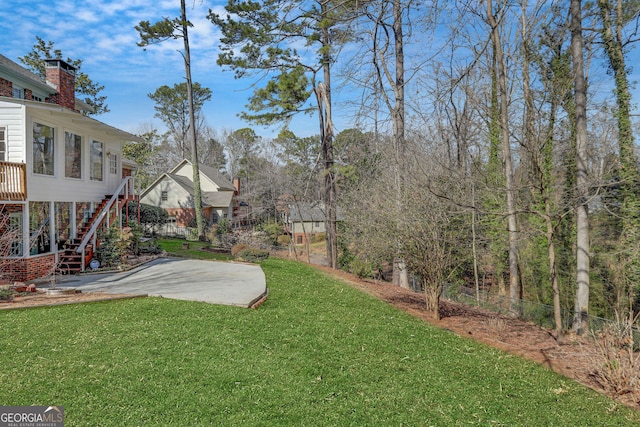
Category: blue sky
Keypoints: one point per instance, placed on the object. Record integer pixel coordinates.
(102, 34)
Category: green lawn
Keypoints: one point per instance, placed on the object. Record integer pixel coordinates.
(174, 248)
(316, 353)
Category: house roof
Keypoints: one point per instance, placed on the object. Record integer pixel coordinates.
(211, 173)
(60, 111)
(214, 199)
(34, 80)
(309, 212)
(306, 212)
(21, 72)
(216, 177)
(217, 199)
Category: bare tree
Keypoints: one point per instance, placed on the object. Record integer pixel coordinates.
(494, 23)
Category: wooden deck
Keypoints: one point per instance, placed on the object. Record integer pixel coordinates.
(13, 181)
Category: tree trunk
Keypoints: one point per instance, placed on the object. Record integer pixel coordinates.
(432, 300)
(553, 276)
(327, 150)
(514, 282)
(197, 189)
(400, 272)
(580, 322)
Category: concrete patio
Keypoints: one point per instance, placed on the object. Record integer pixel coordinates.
(215, 282)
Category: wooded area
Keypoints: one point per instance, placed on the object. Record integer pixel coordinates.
(489, 148)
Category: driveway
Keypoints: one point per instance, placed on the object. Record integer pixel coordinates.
(215, 282)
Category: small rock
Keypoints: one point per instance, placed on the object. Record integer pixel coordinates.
(31, 288)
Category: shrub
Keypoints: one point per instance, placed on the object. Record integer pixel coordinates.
(236, 249)
(108, 252)
(149, 215)
(253, 255)
(320, 237)
(6, 294)
(272, 230)
(284, 240)
(361, 268)
(223, 227)
(345, 259)
(116, 243)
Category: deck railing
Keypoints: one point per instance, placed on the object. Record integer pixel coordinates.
(13, 181)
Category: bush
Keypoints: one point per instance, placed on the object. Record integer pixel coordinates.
(149, 215)
(115, 244)
(223, 227)
(345, 259)
(6, 294)
(284, 240)
(272, 230)
(320, 237)
(108, 252)
(253, 255)
(362, 269)
(236, 249)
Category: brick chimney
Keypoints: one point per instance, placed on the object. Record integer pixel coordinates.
(63, 77)
(236, 185)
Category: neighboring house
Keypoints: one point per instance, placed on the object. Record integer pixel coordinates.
(304, 221)
(60, 172)
(173, 191)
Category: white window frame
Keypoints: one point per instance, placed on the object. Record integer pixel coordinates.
(51, 155)
(15, 223)
(113, 164)
(17, 92)
(92, 169)
(66, 135)
(164, 196)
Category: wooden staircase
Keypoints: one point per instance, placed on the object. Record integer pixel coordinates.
(73, 257)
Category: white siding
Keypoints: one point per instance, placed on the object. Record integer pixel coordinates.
(310, 227)
(58, 187)
(12, 118)
(177, 197)
(18, 119)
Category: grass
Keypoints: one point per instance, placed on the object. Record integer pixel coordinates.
(174, 248)
(317, 352)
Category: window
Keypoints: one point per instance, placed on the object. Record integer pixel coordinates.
(72, 155)
(299, 240)
(17, 92)
(15, 229)
(113, 164)
(43, 149)
(39, 228)
(164, 196)
(316, 224)
(3, 144)
(96, 161)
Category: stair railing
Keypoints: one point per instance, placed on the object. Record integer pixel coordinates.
(127, 186)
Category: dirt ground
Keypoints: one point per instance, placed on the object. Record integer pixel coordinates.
(575, 358)
(40, 298)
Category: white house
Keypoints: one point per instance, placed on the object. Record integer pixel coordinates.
(61, 173)
(173, 191)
